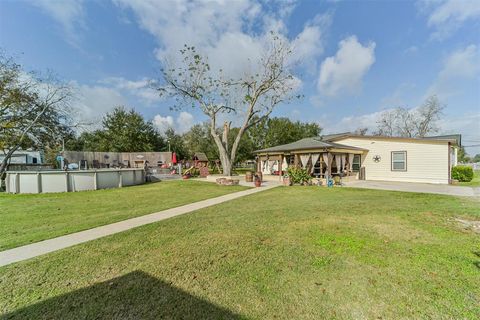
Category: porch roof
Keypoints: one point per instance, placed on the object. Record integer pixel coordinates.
(308, 144)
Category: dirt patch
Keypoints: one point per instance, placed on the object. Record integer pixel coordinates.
(469, 224)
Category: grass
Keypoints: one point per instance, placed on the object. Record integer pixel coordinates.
(31, 218)
(286, 253)
(475, 181)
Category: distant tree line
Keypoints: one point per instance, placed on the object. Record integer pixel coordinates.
(125, 130)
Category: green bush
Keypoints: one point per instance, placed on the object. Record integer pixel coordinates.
(462, 173)
(298, 175)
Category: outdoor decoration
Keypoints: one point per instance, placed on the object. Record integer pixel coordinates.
(304, 159)
(258, 179)
(376, 158)
(227, 182)
(315, 158)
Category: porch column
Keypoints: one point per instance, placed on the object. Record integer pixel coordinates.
(280, 167)
(330, 163)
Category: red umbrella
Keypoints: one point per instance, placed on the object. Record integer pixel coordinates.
(174, 158)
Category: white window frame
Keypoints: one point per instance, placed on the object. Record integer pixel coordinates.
(397, 161)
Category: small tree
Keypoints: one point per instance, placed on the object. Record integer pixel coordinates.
(250, 97)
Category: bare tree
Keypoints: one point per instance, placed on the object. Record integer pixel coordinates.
(361, 131)
(411, 123)
(31, 108)
(249, 97)
(427, 116)
(386, 123)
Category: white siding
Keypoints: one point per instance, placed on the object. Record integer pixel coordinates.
(426, 162)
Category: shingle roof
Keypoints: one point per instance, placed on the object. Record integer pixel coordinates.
(306, 144)
(200, 156)
(327, 141)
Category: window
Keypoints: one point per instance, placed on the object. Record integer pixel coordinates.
(356, 163)
(399, 160)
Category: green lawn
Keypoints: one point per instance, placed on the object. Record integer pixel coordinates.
(285, 253)
(475, 181)
(31, 218)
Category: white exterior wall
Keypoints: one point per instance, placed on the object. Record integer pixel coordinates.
(426, 162)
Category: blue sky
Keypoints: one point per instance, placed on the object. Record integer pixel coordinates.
(357, 57)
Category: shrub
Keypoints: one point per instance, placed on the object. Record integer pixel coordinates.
(462, 173)
(298, 175)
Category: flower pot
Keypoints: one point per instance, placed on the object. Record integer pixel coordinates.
(286, 181)
(258, 183)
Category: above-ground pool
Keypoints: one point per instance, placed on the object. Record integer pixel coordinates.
(70, 181)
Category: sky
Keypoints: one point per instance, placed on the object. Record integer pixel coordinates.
(354, 59)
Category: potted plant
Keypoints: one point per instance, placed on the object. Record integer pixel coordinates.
(286, 180)
(258, 180)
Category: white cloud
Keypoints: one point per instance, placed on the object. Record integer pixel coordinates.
(184, 122)
(139, 88)
(92, 102)
(343, 73)
(68, 13)
(222, 30)
(163, 123)
(462, 64)
(181, 124)
(411, 50)
(352, 123)
(447, 16)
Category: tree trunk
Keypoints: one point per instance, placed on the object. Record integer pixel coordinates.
(3, 166)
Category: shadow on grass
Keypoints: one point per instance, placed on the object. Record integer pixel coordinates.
(136, 295)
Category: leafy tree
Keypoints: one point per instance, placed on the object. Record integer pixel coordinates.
(462, 156)
(127, 131)
(250, 97)
(476, 158)
(122, 131)
(267, 133)
(176, 144)
(199, 139)
(276, 131)
(34, 110)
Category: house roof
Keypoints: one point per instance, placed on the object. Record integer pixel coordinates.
(328, 141)
(307, 144)
(455, 138)
(200, 156)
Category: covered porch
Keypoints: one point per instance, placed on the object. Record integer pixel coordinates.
(321, 159)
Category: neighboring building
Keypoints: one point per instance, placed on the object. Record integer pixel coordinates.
(28, 156)
(426, 159)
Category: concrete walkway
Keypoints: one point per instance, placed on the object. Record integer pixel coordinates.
(416, 187)
(50, 245)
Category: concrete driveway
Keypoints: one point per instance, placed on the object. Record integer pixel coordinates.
(416, 187)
